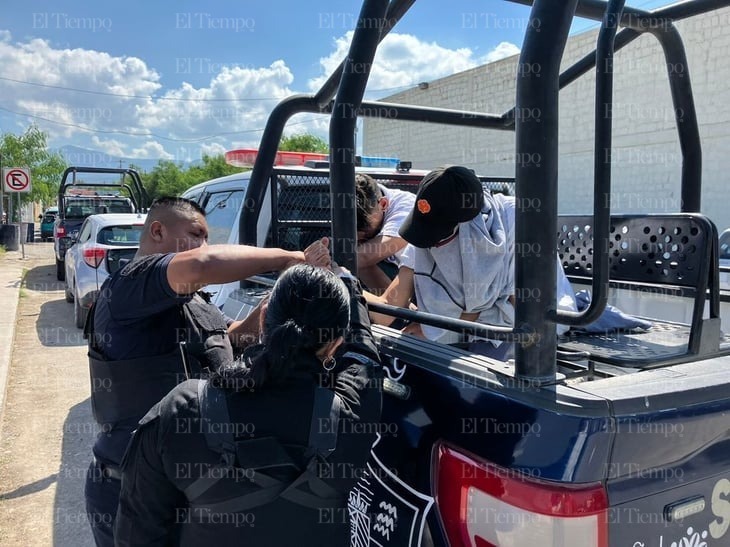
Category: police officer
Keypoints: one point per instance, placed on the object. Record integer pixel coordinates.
(142, 314)
(263, 454)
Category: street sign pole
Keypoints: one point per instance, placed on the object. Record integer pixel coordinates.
(16, 180)
(20, 222)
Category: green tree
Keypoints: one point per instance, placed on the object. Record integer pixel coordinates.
(211, 168)
(303, 142)
(168, 178)
(31, 150)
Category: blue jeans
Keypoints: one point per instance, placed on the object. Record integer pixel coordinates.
(102, 498)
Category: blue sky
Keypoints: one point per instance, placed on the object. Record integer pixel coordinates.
(176, 80)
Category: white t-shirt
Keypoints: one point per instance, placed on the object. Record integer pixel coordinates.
(400, 204)
(474, 272)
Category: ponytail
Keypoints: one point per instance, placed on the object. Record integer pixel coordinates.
(309, 307)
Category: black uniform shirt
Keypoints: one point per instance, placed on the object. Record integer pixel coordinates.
(137, 312)
(137, 315)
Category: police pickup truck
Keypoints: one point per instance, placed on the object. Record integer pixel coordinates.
(86, 191)
(591, 440)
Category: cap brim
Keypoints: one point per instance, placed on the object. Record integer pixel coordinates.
(423, 233)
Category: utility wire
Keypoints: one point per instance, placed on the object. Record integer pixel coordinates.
(174, 99)
(136, 134)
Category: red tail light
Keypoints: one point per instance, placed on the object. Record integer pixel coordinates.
(484, 505)
(61, 231)
(94, 256)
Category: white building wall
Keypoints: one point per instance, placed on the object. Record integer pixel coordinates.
(647, 159)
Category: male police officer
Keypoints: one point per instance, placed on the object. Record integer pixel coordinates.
(141, 316)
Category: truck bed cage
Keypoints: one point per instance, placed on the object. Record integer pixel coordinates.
(134, 187)
(646, 251)
(543, 44)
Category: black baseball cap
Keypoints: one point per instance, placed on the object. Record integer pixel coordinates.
(446, 197)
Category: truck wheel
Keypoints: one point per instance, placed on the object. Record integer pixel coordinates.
(60, 270)
(79, 313)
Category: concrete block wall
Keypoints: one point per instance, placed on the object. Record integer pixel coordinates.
(646, 155)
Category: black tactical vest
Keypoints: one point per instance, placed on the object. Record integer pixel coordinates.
(124, 390)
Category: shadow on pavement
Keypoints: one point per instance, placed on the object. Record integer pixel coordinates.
(70, 523)
(43, 278)
(31, 488)
(55, 325)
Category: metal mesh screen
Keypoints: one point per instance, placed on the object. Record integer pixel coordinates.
(300, 210)
(301, 206)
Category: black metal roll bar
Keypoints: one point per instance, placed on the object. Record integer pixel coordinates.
(603, 117)
(490, 332)
(136, 190)
(535, 321)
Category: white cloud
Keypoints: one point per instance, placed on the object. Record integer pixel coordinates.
(503, 50)
(54, 78)
(108, 146)
(213, 149)
(403, 60)
(131, 109)
(224, 106)
(151, 150)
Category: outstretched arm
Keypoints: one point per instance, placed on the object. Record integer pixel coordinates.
(191, 270)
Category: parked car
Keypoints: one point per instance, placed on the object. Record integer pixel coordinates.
(47, 219)
(104, 243)
(76, 209)
(100, 191)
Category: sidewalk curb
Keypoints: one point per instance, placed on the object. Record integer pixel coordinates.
(11, 272)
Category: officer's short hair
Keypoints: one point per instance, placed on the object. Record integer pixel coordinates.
(177, 204)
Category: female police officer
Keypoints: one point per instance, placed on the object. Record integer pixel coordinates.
(263, 454)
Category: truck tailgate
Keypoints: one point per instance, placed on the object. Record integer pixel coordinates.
(667, 478)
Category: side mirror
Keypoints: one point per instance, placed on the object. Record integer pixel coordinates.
(40, 217)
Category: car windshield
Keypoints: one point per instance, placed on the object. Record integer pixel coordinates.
(79, 208)
(122, 236)
(48, 219)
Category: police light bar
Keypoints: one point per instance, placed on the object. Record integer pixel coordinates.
(246, 157)
(375, 161)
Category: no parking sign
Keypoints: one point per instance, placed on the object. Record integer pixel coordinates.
(16, 179)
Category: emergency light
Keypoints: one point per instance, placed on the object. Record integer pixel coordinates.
(246, 157)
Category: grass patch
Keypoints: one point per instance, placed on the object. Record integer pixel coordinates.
(23, 283)
(3, 250)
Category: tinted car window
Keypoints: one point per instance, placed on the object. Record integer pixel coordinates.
(119, 235)
(220, 212)
(81, 208)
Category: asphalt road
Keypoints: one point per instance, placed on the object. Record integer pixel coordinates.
(47, 431)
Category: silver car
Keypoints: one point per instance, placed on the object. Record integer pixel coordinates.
(104, 243)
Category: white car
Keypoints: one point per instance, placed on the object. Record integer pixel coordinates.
(105, 242)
